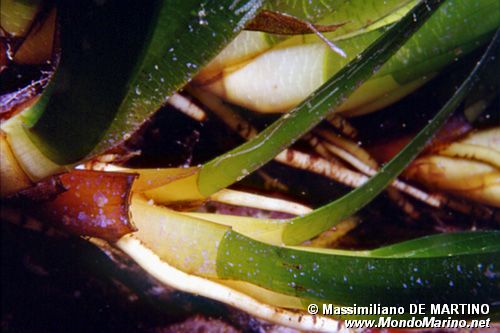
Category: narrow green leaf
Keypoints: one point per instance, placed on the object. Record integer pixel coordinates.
(442, 245)
(226, 169)
(120, 62)
(449, 277)
(303, 228)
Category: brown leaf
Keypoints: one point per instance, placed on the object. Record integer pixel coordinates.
(94, 204)
(283, 24)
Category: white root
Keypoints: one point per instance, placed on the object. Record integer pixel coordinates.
(271, 183)
(321, 166)
(349, 146)
(321, 150)
(430, 199)
(365, 160)
(341, 123)
(186, 106)
(225, 113)
(180, 280)
(245, 199)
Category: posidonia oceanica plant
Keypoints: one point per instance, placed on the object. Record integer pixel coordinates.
(107, 68)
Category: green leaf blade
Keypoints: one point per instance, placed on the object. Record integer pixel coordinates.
(303, 228)
(442, 245)
(177, 53)
(120, 63)
(232, 166)
(347, 280)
